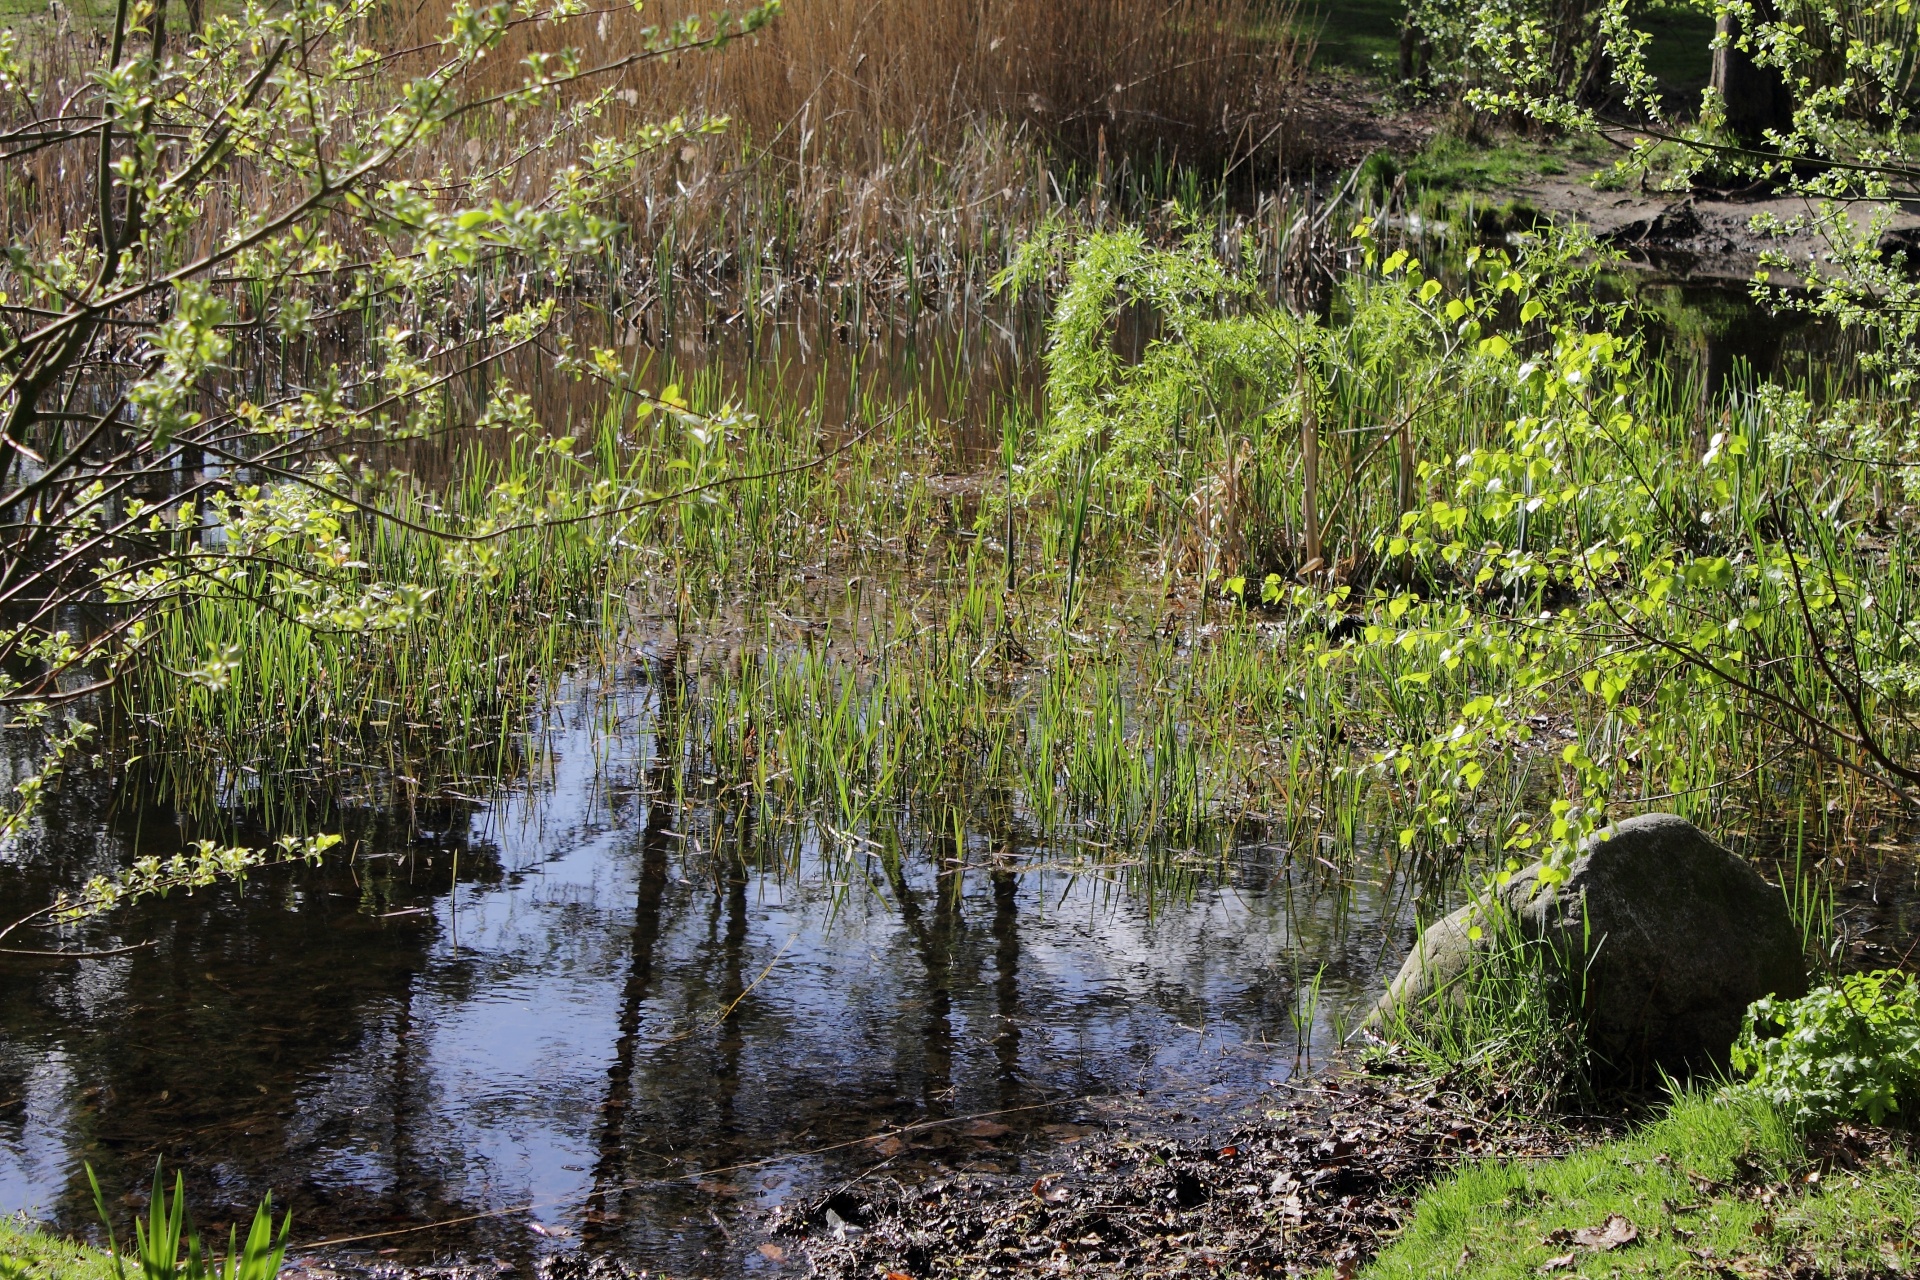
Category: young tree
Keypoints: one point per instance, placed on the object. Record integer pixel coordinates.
(244, 260)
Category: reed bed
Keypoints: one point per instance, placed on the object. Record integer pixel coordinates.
(874, 625)
(885, 137)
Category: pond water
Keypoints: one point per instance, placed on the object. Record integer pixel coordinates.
(573, 1013)
(570, 1009)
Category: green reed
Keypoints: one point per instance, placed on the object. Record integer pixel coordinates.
(870, 639)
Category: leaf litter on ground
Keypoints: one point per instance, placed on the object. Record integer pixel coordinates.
(1313, 1179)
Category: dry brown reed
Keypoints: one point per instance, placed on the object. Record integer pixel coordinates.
(859, 127)
(858, 81)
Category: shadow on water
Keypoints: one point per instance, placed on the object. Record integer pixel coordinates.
(586, 1010)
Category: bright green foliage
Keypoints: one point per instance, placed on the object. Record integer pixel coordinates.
(1219, 361)
(30, 1254)
(1686, 1182)
(1546, 537)
(1846, 1051)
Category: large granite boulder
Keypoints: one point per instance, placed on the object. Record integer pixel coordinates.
(1677, 937)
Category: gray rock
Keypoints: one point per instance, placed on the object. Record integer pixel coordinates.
(1677, 937)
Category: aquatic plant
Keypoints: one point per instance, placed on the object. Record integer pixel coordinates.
(167, 1247)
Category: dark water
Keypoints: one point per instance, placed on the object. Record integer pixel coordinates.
(606, 1009)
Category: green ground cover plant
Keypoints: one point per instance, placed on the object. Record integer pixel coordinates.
(1848, 1050)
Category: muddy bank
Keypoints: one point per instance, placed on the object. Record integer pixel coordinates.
(1314, 1177)
(1702, 234)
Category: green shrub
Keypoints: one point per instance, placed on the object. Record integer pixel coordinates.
(1843, 1051)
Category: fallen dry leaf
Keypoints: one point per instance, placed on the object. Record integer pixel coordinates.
(1051, 1190)
(1331, 1168)
(986, 1129)
(1614, 1233)
(1562, 1263)
(773, 1253)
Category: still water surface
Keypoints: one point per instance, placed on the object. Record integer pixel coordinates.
(569, 999)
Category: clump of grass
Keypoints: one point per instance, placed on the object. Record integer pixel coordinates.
(1511, 1021)
(1730, 1182)
(29, 1253)
(284, 682)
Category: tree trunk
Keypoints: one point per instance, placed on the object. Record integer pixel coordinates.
(1755, 97)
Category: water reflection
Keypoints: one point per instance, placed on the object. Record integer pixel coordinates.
(587, 999)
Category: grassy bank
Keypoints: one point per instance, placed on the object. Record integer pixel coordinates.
(27, 1253)
(1713, 1186)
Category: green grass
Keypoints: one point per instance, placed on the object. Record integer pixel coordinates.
(33, 1253)
(1713, 1186)
(1361, 35)
(1364, 35)
(1454, 164)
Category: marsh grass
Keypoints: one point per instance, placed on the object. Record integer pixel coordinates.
(1512, 1021)
(914, 142)
(870, 629)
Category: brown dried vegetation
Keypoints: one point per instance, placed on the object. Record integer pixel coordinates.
(857, 128)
